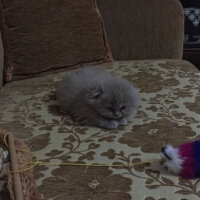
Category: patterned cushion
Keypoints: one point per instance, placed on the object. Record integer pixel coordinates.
(169, 113)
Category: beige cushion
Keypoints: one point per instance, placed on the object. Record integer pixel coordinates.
(169, 113)
(40, 36)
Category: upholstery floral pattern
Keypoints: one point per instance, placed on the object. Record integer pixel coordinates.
(169, 113)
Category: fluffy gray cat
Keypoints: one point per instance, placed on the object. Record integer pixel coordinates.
(94, 97)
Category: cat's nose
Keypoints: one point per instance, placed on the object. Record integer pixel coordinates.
(117, 113)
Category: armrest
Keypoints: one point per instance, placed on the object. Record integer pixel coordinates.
(143, 29)
(1, 62)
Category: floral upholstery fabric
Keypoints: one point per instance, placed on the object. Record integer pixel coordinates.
(169, 113)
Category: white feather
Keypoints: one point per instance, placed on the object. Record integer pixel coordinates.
(175, 164)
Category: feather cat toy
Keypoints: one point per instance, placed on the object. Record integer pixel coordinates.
(184, 160)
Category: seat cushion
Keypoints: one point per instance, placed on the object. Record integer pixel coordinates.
(56, 37)
(169, 113)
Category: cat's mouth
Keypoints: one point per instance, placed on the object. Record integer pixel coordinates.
(119, 117)
(113, 117)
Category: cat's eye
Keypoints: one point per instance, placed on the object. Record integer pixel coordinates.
(109, 108)
(97, 96)
(123, 107)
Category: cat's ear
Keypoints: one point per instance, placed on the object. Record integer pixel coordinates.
(94, 93)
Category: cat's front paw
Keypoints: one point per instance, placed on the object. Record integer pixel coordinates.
(122, 122)
(113, 124)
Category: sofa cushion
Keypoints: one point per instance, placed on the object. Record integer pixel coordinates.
(137, 29)
(46, 35)
(169, 113)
